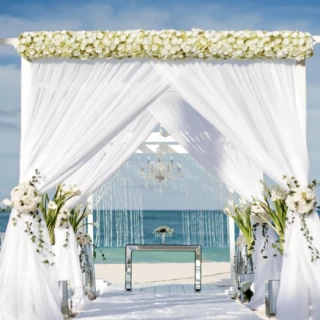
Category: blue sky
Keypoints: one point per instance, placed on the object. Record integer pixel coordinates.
(19, 16)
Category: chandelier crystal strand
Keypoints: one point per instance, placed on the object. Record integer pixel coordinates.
(161, 174)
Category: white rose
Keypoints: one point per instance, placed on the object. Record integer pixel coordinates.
(52, 205)
(286, 41)
(240, 42)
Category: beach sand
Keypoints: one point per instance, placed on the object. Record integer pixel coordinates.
(164, 272)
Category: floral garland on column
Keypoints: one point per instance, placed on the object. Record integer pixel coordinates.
(166, 44)
(26, 200)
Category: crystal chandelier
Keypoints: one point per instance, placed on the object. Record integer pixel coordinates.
(160, 174)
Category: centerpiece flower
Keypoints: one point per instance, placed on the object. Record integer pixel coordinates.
(163, 231)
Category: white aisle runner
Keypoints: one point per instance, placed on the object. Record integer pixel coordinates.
(159, 301)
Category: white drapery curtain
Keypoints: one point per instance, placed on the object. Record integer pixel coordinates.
(257, 106)
(109, 159)
(28, 287)
(74, 109)
(68, 266)
(207, 145)
(89, 178)
(265, 268)
(211, 149)
(77, 107)
(254, 104)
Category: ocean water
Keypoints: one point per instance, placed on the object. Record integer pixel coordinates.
(4, 218)
(206, 228)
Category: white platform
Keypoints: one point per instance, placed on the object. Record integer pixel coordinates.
(176, 302)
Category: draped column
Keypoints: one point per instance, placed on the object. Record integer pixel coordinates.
(257, 105)
(219, 156)
(74, 109)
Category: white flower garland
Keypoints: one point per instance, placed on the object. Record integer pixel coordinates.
(166, 44)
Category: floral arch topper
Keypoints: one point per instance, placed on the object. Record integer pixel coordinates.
(167, 44)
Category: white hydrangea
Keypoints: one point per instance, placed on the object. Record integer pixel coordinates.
(198, 43)
(301, 200)
(25, 198)
(83, 238)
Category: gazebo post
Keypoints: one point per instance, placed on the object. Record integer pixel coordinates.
(90, 217)
(25, 91)
(302, 82)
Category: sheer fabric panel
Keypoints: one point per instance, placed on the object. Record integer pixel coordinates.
(75, 108)
(253, 103)
(257, 105)
(109, 160)
(207, 145)
(68, 266)
(218, 155)
(28, 287)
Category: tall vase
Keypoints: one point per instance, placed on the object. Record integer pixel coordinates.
(244, 262)
(87, 266)
(244, 267)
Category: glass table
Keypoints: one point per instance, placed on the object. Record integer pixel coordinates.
(167, 248)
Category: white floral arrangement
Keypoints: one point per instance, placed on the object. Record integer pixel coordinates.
(241, 241)
(300, 199)
(166, 44)
(83, 238)
(63, 218)
(25, 198)
(163, 229)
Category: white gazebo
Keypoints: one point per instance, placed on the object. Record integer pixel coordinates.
(236, 101)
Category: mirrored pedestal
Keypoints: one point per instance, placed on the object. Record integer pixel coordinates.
(167, 248)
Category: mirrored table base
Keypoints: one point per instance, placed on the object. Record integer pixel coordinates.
(167, 248)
